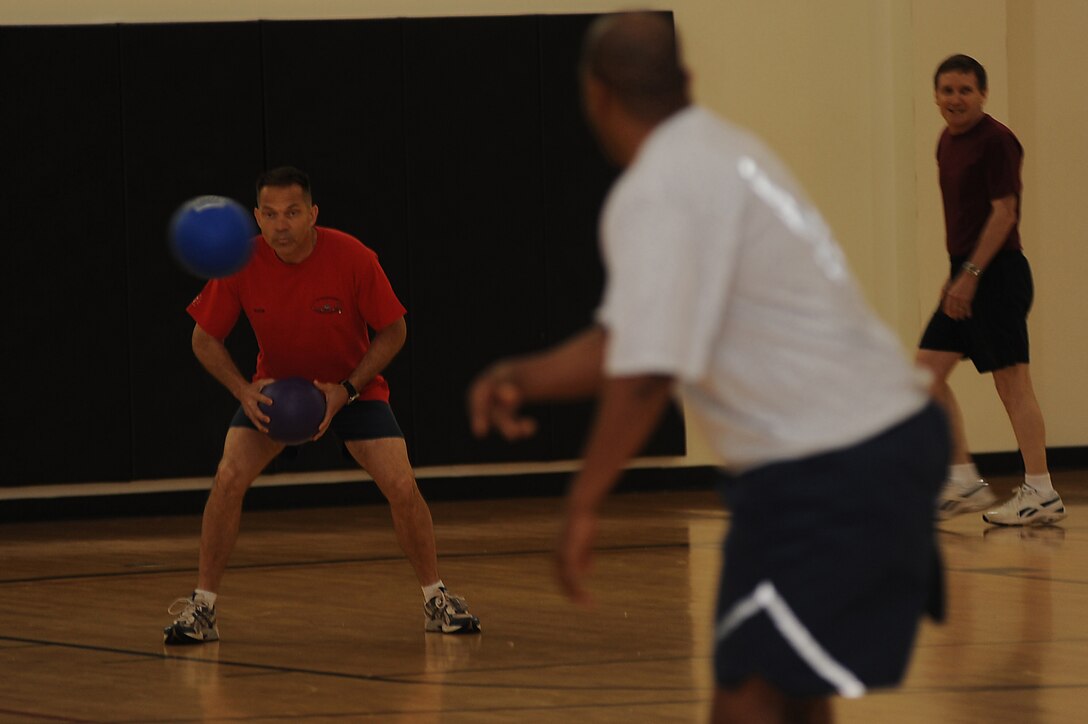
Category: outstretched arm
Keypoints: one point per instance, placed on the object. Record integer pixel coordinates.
(628, 412)
(568, 371)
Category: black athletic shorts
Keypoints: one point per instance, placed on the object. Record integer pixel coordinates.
(361, 420)
(996, 334)
(830, 561)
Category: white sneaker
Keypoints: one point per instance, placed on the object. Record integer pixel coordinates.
(963, 496)
(195, 623)
(449, 614)
(1028, 507)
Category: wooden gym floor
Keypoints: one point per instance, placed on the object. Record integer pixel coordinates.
(321, 620)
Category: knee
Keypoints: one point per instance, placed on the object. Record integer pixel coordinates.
(1003, 387)
(401, 490)
(750, 702)
(1012, 383)
(757, 700)
(230, 482)
(939, 364)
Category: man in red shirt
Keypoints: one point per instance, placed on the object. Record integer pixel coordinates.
(985, 301)
(310, 294)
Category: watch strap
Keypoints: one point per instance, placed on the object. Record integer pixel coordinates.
(353, 394)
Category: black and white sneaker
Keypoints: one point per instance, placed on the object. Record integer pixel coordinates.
(1028, 507)
(195, 623)
(449, 614)
(963, 496)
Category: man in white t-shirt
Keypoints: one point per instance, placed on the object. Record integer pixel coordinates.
(723, 282)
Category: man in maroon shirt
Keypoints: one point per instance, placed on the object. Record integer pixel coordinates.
(984, 304)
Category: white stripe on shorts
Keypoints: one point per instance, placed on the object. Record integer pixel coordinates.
(765, 597)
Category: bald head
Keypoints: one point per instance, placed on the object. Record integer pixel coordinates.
(637, 57)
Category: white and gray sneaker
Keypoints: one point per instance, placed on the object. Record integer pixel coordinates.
(963, 496)
(1028, 507)
(195, 623)
(449, 614)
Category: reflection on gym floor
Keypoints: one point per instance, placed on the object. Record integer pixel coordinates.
(321, 620)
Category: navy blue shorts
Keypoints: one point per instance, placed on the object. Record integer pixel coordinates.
(830, 561)
(361, 420)
(995, 336)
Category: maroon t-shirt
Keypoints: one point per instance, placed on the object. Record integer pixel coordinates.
(977, 167)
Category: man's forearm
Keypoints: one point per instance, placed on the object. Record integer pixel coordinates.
(994, 233)
(568, 371)
(628, 412)
(214, 356)
(383, 348)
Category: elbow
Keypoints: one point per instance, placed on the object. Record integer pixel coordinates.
(652, 387)
(200, 340)
(396, 333)
(1006, 210)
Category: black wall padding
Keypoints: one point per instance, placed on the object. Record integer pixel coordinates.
(454, 147)
(193, 124)
(67, 406)
(475, 219)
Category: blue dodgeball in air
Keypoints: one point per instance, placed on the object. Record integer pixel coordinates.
(212, 236)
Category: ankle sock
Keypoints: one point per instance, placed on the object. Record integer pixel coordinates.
(964, 472)
(1042, 483)
(207, 597)
(431, 591)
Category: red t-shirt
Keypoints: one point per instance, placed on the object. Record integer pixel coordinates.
(976, 168)
(310, 318)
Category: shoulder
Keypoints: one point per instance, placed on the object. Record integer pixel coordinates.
(344, 244)
(944, 138)
(336, 237)
(691, 135)
(689, 174)
(690, 154)
(998, 134)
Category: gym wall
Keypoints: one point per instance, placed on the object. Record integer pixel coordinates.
(842, 90)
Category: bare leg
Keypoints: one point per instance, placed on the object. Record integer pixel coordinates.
(246, 453)
(941, 365)
(757, 701)
(386, 459)
(1018, 395)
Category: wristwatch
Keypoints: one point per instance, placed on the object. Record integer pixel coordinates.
(353, 394)
(971, 269)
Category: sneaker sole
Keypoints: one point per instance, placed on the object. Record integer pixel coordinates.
(1034, 522)
(472, 627)
(172, 638)
(963, 508)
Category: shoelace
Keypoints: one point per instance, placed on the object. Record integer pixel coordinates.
(1024, 491)
(185, 609)
(454, 604)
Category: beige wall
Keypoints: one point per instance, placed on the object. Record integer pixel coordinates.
(1047, 60)
(843, 90)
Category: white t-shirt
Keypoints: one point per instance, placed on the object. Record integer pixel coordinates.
(722, 275)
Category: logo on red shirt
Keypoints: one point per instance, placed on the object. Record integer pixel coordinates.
(327, 305)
